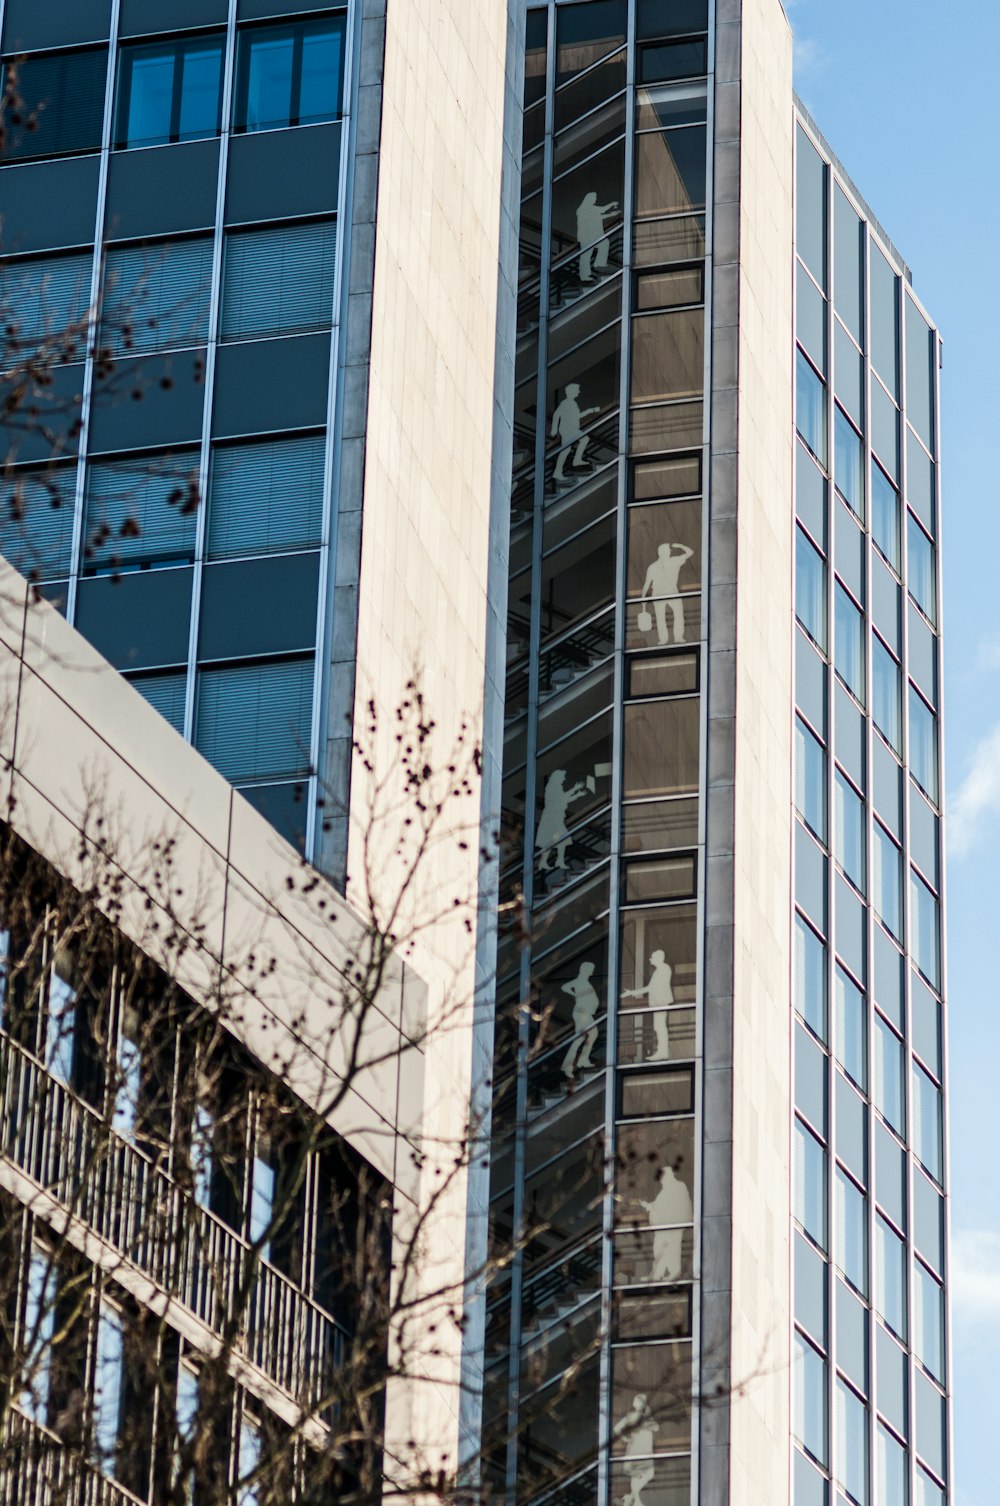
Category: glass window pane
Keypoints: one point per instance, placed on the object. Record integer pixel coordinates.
(851, 1028)
(810, 495)
(586, 33)
(45, 302)
(848, 265)
(890, 1175)
(810, 407)
(810, 1487)
(920, 482)
(810, 1403)
(929, 1338)
(266, 497)
(157, 297)
(886, 605)
(810, 977)
(852, 1337)
(36, 522)
(890, 1277)
(889, 1076)
(201, 84)
(928, 1222)
(885, 428)
(852, 1130)
(319, 89)
(849, 374)
(810, 682)
(850, 736)
(891, 1475)
(810, 1289)
(670, 168)
(928, 1492)
(851, 1422)
(810, 1184)
(927, 1123)
(668, 355)
(39, 1326)
(887, 881)
(278, 281)
(810, 316)
(920, 568)
(63, 104)
(885, 516)
(810, 206)
(925, 1015)
(849, 545)
(661, 740)
(848, 641)
(810, 779)
(887, 787)
(848, 462)
(108, 1386)
(810, 589)
(926, 926)
(254, 721)
(849, 831)
(268, 61)
(147, 86)
(850, 1239)
(810, 877)
(922, 653)
(923, 745)
(931, 1425)
(810, 1079)
(884, 320)
(141, 511)
(683, 16)
(888, 977)
(166, 694)
(885, 694)
(919, 374)
(851, 930)
(891, 1376)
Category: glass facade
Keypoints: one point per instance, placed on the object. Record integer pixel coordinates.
(199, 204)
(870, 1255)
(590, 1365)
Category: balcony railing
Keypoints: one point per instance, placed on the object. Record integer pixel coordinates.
(36, 1469)
(72, 1153)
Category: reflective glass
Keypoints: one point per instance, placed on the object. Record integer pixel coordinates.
(850, 1240)
(670, 171)
(886, 604)
(108, 1386)
(810, 495)
(851, 1028)
(919, 374)
(668, 355)
(931, 1425)
(920, 568)
(886, 863)
(810, 1289)
(889, 1076)
(850, 736)
(810, 779)
(810, 316)
(269, 63)
(848, 653)
(848, 263)
(810, 206)
(809, 1382)
(887, 787)
(924, 839)
(848, 462)
(200, 92)
(851, 1430)
(849, 831)
(810, 682)
(928, 1340)
(885, 516)
(810, 589)
(852, 1337)
(890, 1277)
(922, 653)
(928, 1222)
(885, 428)
(586, 214)
(810, 407)
(928, 1492)
(852, 1130)
(884, 320)
(660, 748)
(927, 1123)
(849, 547)
(589, 90)
(891, 1375)
(654, 19)
(851, 928)
(920, 483)
(675, 60)
(810, 1184)
(888, 976)
(891, 1473)
(849, 374)
(586, 33)
(148, 84)
(811, 1489)
(926, 926)
(810, 1079)
(810, 877)
(925, 1017)
(923, 745)
(885, 694)
(810, 977)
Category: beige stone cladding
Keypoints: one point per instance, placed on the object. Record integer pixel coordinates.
(425, 527)
(84, 759)
(762, 845)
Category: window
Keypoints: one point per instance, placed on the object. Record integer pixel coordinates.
(927, 1123)
(166, 693)
(36, 521)
(929, 1317)
(278, 281)
(810, 779)
(850, 1238)
(849, 831)
(61, 105)
(848, 263)
(61, 1021)
(923, 745)
(885, 516)
(851, 1028)
(141, 511)
(848, 643)
(45, 298)
(266, 497)
(810, 1184)
(254, 721)
(810, 407)
(924, 919)
(810, 977)
(249, 1458)
(108, 1386)
(891, 1470)
(885, 694)
(810, 589)
(887, 881)
(889, 1076)
(810, 206)
(920, 568)
(848, 463)
(169, 91)
(290, 75)
(156, 297)
(885, 320)
(810, 1404)
(890, 1278)
(851, 1433)
(39, 1327)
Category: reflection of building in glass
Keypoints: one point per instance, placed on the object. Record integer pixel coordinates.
(684, 1199)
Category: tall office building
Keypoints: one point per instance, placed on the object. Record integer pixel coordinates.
(718, 1134)
(675, 417)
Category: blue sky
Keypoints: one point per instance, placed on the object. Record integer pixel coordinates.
(908, 94)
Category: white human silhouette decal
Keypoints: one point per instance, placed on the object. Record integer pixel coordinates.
(567, 424)
(595, 247)
(670, 1204)
(585, 1010)
(659, 992)
(639, 1428)
(551, 838)
(663, 579)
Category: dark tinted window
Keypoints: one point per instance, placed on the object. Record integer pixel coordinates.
(675, 60)
(59, 106)
(140, 620)
(290, 75)
(169, 91)
(655, 19)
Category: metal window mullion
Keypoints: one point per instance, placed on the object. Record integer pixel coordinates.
(211, 347)
(94, 321)
(333, 437)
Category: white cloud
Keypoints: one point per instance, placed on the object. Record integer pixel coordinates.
(989, 654)
(977, 798)
(975, 1276)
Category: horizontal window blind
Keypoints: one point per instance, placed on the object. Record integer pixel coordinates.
(157, 297)
(45, 298)
(165, 693)
(253, 720)
(36, 523)
(63, 104)
(130, 517)
(278, 281)
(266, 497)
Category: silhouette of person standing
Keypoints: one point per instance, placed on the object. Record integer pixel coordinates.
(659, 992)
(663, 579)
(551, 834)
(671, 1204)
(595, 247)
(639, 1428)
(585, 1011)
(567, 423)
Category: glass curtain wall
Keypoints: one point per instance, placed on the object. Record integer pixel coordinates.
(594, 1179)
(871, 1381)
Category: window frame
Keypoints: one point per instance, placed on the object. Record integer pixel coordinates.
(298, 28)
(178, 48)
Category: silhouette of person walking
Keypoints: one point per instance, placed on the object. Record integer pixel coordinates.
(663, 579)
(671, 1204)
(595, 247)
(567, 423)
(639, 1428)
(659, 992)
(551, 834)
(585, 1010)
